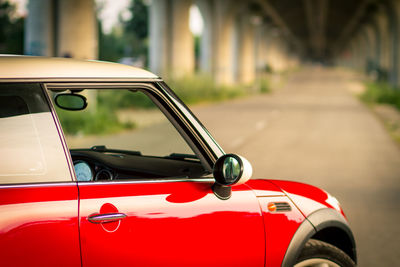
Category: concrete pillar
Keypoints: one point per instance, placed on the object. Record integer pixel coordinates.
(261, 47)
(171, 42)
(224, 12)
(361, 44)
(292, 58)
(396, 9)
(265, 45)
(348, 55)
(39, 28)
(182, 45)
(292, 61)
(285, 55)
(342, 59)
(358, 41)
(271, 51)
(365, 47)
(159, 36)
(370, 36)
(383, 26)
(352, 59)
(77, 29)
(206, 45)
(392, 13)
(272, 55)
(246, 66)
(276, 52)
(378, 44)
(352, 54)
(282, 54)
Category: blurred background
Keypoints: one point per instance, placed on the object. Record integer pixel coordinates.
(307, 90)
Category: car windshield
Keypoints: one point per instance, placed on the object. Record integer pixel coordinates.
(121, 124)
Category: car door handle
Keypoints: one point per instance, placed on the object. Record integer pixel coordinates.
(104, 218)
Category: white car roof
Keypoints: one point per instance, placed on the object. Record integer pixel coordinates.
(30, 67)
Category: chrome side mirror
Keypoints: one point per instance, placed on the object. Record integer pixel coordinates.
(229, 170)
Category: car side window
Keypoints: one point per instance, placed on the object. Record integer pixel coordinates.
(30, 146)
(121, 134)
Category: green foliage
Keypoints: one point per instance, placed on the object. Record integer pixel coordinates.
(197, 44)
(11, 29)
(195, 89)
(138, 23)
(129, 39)
(134, 46)
(268, 68)
(381, 93)
(264, 85)
(125, 99)
(135, 29)
(86, 122)
(111, 46)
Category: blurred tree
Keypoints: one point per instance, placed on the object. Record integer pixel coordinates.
(11, 29)
(138, 22)
(136, 29)
(129, 39)
(197, 44)
(111, 45)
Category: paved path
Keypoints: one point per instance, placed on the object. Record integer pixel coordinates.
(315, 131)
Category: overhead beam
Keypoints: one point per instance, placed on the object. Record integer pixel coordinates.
(349, 28)
(277, 19)
(322, 20)
(310, 21)
(316, 14)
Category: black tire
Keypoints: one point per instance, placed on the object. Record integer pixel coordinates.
(316, 252)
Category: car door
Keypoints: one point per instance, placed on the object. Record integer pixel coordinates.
(170, 223)
(38, 198)
(140, 203)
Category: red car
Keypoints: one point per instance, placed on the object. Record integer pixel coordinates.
(102, 165)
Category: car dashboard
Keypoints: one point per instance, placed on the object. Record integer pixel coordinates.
(92, 165)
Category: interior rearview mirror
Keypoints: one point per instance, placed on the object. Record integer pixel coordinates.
(71, 101)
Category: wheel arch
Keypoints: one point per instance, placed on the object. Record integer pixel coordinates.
(325, 225)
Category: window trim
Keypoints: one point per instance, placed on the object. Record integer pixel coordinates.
(94, 183)
(40, 184)
(60, 133)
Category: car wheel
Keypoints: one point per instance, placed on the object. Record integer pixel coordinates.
(320, 254)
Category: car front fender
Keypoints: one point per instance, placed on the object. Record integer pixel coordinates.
(318, 225)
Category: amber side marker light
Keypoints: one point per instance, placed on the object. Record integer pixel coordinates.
(271, 207)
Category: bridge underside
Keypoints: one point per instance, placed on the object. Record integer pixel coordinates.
(240, 38)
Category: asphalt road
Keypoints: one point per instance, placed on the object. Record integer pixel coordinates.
(314, 130)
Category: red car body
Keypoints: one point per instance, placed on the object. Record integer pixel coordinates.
(169, 222)
(184, 217)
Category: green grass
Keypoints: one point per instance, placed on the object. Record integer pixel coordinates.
(90, 123)
(197, 89)
(264, 86)
(124, 99)
(381, 93)
(192, 90)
